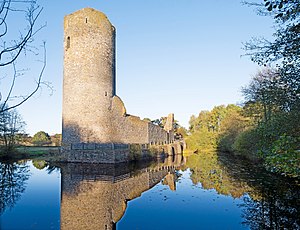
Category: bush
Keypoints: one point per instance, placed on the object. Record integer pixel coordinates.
(284, 157)
(246, 144)
(41, 138)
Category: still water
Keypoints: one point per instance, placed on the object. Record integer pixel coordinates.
(203, 191)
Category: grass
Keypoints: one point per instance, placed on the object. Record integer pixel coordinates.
(36, 152)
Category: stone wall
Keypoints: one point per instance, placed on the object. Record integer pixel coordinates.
(89, 76)
(157, 135)
(92, 112)
(127, 128)
(92, 199)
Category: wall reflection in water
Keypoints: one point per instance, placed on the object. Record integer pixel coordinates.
(95, 196)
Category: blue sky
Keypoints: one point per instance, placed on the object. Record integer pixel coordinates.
(179, 56)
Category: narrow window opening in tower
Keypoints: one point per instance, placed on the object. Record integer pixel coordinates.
(68, 42)
(86, 20)
(105, 94)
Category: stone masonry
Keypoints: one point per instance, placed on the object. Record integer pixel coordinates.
(94, 117)
(96, 196)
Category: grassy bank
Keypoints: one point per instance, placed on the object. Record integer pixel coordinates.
(32, 152)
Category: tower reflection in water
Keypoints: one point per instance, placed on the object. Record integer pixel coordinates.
(95, 196)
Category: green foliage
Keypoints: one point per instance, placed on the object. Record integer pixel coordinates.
(147, 119)
(274, 140)
(284, 48)
(160, 122)
(272, 100)
(202, 139)
(268, 125)
(215, 128)
(246, 144)
(41, 138)
(181, 132)
(283, 51)
(207, 170)
(56, 139)
(39, 164)
(232, 125)
(284, 156)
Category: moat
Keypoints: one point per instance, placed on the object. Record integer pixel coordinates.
(202, 191)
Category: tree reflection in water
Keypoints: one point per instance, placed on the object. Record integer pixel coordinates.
(273, 202)
(269, 201)
(13, 177)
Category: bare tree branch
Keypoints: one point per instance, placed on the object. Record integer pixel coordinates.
(11, 49)
(38, 84)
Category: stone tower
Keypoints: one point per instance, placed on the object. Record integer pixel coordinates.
(96, 127)
(89, 77)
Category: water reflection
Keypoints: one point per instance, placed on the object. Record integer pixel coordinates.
(268, 201)
(95, 196)
(13, 177)
(272, 202)
(210, 187)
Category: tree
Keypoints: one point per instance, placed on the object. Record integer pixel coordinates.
(160, 122)
(284, 50)
(17, 46)
(264, 90)
(11, 124)
(233, 124)
(56, 139)
(181, 132)
(13, 179)
(41, 138)
(285, 46)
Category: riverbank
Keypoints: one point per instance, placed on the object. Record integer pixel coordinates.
(32, 152)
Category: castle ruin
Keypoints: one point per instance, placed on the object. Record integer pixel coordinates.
(96, 127)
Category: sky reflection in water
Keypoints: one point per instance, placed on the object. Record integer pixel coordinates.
(205, 193)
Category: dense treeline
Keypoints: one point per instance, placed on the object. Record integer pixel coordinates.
(266, 127)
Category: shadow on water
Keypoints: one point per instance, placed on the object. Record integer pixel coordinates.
(272, 202)
(268, 201)
(95, 196)
(13, 177)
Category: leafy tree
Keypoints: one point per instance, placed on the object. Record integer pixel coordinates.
(275, 92)
(202, 139)
(160, 122)
(17, 46)
(233, 124)
(217, 115)
(285, 46)
(284, 158)
(267, 91)
(284, 50)
(181, 132)
(56, 139)
(211, 126)
(41, 138)
(200, 122)
(11, 124)
(246, 144)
